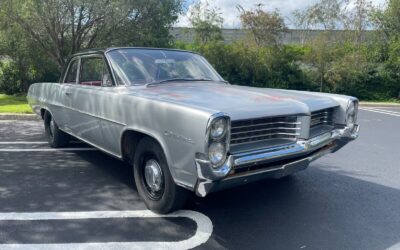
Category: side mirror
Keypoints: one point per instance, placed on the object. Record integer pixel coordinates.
(106, 82)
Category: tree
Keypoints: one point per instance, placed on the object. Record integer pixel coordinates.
(265, 27)
(320, 56)
(60, 28)
(388, 19)
(206, 22)
(326, 15)
(388, 22)
(28, 64)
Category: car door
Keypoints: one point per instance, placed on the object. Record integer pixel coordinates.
(88, 98)
(70, 79)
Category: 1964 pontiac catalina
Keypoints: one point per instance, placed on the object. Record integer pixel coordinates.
(183, 128)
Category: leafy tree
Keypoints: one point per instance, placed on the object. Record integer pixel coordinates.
(28, 64)
(359, 19)
(388, 23)
(60, 28)
(388, 19)
(206, 22)
(320, 56)
(325, 15)
(266, 27)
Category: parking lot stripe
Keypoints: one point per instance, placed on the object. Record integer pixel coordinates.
(45, 149)
(383, 110)
(22, 142)
(380, 111)
(203, 232)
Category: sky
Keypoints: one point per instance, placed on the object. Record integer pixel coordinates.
(230, 13)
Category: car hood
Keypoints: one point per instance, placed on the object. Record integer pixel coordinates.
(238, 102)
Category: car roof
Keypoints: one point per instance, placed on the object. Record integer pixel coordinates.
(105, 50)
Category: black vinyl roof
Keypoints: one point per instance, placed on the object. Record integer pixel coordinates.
(104, 50)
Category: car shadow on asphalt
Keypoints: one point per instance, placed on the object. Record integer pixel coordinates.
(314, 209)
(320, 208)
(65, 181)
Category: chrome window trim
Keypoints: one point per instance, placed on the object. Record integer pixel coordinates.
(73, 59)
(105, 64)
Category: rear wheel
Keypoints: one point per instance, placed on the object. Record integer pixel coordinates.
(54, 135)
(153, 179)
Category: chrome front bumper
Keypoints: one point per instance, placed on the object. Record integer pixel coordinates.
(273, 162)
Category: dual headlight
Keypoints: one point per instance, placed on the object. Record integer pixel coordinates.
(351, 114)
(218, 140)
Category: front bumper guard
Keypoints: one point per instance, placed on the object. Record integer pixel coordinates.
(211, 179)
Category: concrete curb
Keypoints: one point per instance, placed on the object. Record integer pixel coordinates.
(20, 117)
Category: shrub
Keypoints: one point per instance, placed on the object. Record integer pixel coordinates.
(10, 81)
(248, 65)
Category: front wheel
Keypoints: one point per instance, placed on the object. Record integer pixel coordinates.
(54, 135)
(153, 179)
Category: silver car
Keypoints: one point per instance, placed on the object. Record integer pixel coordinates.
(183, 128)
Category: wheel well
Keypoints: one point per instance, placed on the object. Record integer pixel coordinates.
(129, 142)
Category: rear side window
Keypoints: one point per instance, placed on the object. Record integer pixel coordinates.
(92, 71)
(72, 72)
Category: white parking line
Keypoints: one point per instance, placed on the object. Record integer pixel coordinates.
(381, 111)
(22, 142)
(203, 232)
(45, 149)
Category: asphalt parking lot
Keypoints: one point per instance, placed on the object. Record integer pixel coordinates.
(63, 198)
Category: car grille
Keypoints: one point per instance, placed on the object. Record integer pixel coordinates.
(261, 129)
(322, 117)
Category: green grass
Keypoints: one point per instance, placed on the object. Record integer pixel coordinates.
(14, 104)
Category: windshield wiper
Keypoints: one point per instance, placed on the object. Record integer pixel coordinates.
(181, 79)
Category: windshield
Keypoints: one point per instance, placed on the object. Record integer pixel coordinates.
(146, 66)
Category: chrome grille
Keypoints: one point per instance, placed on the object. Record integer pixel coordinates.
(322, 117)
(254, 130)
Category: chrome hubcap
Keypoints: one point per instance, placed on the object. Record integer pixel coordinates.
(153, 175)
(52, 126)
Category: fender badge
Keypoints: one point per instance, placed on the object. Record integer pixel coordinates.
(178, 137)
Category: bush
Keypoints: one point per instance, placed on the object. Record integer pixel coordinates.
(10, 81)
(242, 64)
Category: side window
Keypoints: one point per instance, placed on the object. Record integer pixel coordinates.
(72, 71)
(91, 71)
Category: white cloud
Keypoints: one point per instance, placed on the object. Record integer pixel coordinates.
(231, 15)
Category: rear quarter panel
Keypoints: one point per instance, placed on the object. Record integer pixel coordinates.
(48, 96)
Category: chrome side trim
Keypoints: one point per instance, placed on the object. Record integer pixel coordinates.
(119, 157)
(86, 113)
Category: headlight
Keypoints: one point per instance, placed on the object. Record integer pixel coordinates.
(351, 118)
(217, 139)
(218, 128)
(216, 153)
